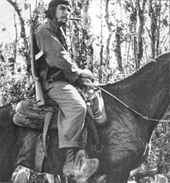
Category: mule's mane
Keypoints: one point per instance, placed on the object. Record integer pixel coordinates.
(143, 70)
(137, 74)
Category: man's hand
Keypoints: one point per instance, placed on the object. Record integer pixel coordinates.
(85, 73)
(85, 77)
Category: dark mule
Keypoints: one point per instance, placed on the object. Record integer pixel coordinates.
(126, 135)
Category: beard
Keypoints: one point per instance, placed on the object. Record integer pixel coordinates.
(60, 23)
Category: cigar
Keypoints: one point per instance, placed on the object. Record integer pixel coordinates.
(75, 19)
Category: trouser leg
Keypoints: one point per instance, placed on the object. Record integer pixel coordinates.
(72, 111)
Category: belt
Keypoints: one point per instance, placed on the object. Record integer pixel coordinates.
(58, 76)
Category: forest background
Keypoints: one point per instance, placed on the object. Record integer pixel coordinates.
(113, 38)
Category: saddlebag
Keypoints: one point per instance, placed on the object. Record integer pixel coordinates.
(29, 115)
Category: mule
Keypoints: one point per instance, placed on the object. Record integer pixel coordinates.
(134, 106)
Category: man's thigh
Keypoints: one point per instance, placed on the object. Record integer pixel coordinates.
(65, 94)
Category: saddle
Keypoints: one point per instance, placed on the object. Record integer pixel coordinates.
(30, 115)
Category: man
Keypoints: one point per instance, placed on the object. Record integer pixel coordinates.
(62, 74)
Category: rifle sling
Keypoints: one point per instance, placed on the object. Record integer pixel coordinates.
(39, 55)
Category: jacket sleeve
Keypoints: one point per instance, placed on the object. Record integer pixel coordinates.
(55, 54)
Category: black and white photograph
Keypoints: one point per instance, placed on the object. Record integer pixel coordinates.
(84, 91)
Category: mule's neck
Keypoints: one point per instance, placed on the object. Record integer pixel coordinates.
(153, 91)
(147, 91)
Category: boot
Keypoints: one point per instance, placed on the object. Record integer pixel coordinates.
(20, 174)
(68, 168)
(79, 165)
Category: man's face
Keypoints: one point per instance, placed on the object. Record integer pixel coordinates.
(62, 13)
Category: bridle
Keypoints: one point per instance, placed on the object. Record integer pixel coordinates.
(131, 109)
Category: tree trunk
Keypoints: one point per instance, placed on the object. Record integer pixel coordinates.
(118, 48)
(109, 27)
(23, 32)
(139, 29)
(153, 28)
(158, 10)
(133, 28)
(101, 46)
(16, 38)
(154, 35)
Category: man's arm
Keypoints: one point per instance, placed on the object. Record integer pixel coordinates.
(54, 56)
(57, 56)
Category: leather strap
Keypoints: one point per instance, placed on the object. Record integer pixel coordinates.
(39, 154)
(98, 147)
(47, 121)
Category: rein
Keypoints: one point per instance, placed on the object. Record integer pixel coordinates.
(131, 109)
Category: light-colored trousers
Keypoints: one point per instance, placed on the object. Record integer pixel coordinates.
(72, 111)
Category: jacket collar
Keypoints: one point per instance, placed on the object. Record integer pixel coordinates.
(52, 25)
(54, 28)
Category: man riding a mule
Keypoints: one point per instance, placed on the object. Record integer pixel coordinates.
(59, 82)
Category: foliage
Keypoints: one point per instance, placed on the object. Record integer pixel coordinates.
(13, 90)
(160, 151)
